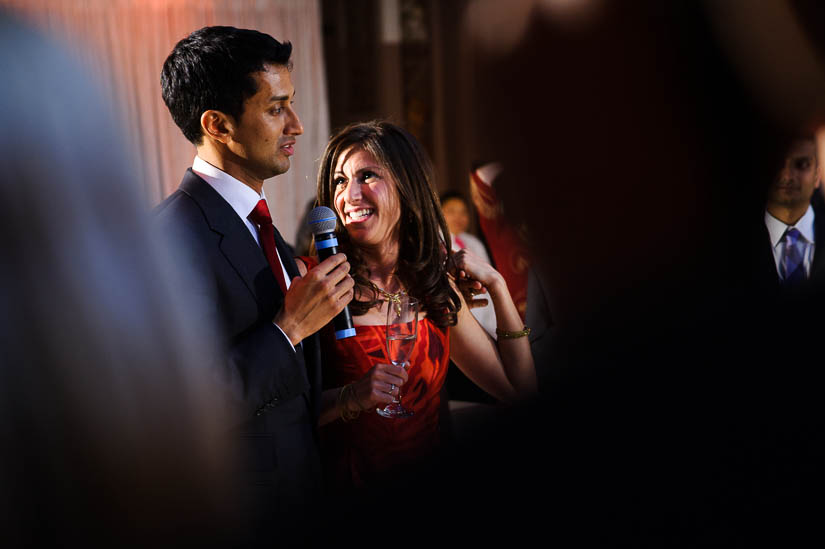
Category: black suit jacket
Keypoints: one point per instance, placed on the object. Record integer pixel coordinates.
(274, 390)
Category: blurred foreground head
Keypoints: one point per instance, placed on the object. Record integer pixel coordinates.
(638, 139)
(109, 430)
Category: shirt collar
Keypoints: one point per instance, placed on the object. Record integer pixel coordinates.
(240, 196)
(805, 226)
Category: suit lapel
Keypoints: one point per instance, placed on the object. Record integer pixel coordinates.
(766, 263)
(237, 245)
(309, 346)
(286, 255)
(818, 263)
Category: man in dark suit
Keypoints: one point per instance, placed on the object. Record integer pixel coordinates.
(794, 221)
(230, 92)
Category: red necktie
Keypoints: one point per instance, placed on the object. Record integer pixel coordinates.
(266, 231)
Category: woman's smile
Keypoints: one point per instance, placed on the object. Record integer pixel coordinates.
(360, 215)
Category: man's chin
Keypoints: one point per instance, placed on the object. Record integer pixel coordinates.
(790, 202)
(280, 168)
(786, 195)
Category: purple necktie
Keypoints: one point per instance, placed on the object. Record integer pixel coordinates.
(792, 266)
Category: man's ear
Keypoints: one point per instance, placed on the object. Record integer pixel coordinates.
(217, 125)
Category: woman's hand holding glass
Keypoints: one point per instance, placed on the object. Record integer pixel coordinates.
(379, 386)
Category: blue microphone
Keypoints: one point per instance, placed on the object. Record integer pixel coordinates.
(322, 223)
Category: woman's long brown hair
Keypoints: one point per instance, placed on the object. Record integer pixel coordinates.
(423, 250)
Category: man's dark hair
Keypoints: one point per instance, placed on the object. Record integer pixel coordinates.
(212, 68)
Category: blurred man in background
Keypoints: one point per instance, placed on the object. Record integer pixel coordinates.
(791, 219)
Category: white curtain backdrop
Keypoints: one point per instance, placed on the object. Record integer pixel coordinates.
(124, 43)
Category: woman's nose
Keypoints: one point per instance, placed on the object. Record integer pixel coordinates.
(353, 191)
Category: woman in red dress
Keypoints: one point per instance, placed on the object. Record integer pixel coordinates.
(379, 181)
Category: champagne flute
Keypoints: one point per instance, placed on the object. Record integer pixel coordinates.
(402, 331)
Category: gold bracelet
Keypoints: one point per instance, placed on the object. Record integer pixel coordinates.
(504, 334)
(355, 399)
(347, 414)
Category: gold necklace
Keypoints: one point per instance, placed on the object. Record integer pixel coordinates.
(390, 297)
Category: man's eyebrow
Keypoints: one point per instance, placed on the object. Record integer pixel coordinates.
(277, 98)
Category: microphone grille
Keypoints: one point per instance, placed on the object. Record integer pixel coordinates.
(321, 220)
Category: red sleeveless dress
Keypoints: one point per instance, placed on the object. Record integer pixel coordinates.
(371, 446)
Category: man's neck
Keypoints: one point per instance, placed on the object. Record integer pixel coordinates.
(787, 215)
(225, 164)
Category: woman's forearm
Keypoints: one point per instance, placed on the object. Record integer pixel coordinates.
(338, 403)
(329, 406)
(515, 353)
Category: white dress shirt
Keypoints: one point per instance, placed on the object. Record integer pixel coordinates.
(805, 226)
(241, 197)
